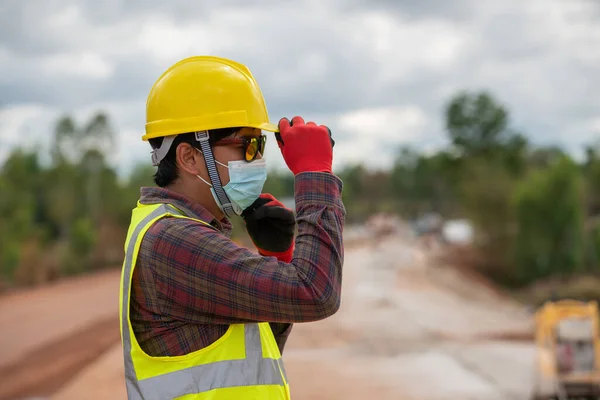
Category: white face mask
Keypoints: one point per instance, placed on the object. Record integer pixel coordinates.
(246, 181)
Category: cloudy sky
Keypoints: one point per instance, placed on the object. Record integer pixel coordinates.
(378, 72)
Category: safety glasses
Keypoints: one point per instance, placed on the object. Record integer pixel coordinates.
(252, 145)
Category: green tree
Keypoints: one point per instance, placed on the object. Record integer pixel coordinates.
(515, 154)
(550, 222)
(486, 190)
(279, 183)
(545, 157)
(141, 175)
(492, 158)
(95, 141)
(20, 208)
(424, 183)
(477, 124)
(353, 177)
(65, 133)
(366, 192)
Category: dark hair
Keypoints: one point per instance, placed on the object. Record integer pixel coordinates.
(167, 171)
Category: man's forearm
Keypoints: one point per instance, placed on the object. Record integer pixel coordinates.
(203, 277)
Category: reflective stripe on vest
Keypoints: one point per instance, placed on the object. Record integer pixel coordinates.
(253, 370)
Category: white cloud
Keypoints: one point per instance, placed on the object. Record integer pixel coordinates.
(166, 41)
(405, 47)
(27, 126)
(85, 64)
(378, 72)
(20, 123)
(594, 125)
(65, 18)
(376, 134)
(385, 124)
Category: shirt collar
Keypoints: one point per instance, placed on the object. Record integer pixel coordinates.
(154, 195)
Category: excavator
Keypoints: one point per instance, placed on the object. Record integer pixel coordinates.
(568, 351)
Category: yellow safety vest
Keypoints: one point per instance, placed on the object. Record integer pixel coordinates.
(245, 363)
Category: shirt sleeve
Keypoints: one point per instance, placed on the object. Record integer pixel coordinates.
(203, 277)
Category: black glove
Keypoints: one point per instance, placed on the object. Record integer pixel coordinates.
(271, 226)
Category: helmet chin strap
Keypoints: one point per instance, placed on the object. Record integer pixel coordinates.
(219, 194)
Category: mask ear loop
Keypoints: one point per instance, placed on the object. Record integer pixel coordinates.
(223, 201)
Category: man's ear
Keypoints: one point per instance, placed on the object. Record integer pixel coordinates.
(189, 159)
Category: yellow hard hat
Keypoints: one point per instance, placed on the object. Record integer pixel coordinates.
(205, 92)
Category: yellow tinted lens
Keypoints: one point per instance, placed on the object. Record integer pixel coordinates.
(251, 149)
(263, 141)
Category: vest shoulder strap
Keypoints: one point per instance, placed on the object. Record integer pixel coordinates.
(177, 213)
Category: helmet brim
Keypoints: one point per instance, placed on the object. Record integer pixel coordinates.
(266, 126)
(269, 127)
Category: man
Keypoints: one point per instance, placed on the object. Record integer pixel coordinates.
(201, 317)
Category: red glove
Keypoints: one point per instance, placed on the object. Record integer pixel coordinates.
(305, 147)
(271, 226)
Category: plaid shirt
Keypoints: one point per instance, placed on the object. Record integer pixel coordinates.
(191, 281)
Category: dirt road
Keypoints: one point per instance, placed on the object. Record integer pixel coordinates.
(406, 329)
(47, 334)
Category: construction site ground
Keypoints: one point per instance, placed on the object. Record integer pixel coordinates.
(408, 328)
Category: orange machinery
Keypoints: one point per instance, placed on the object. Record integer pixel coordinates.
(568, 351)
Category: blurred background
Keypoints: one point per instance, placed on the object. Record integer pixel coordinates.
(467, 136)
